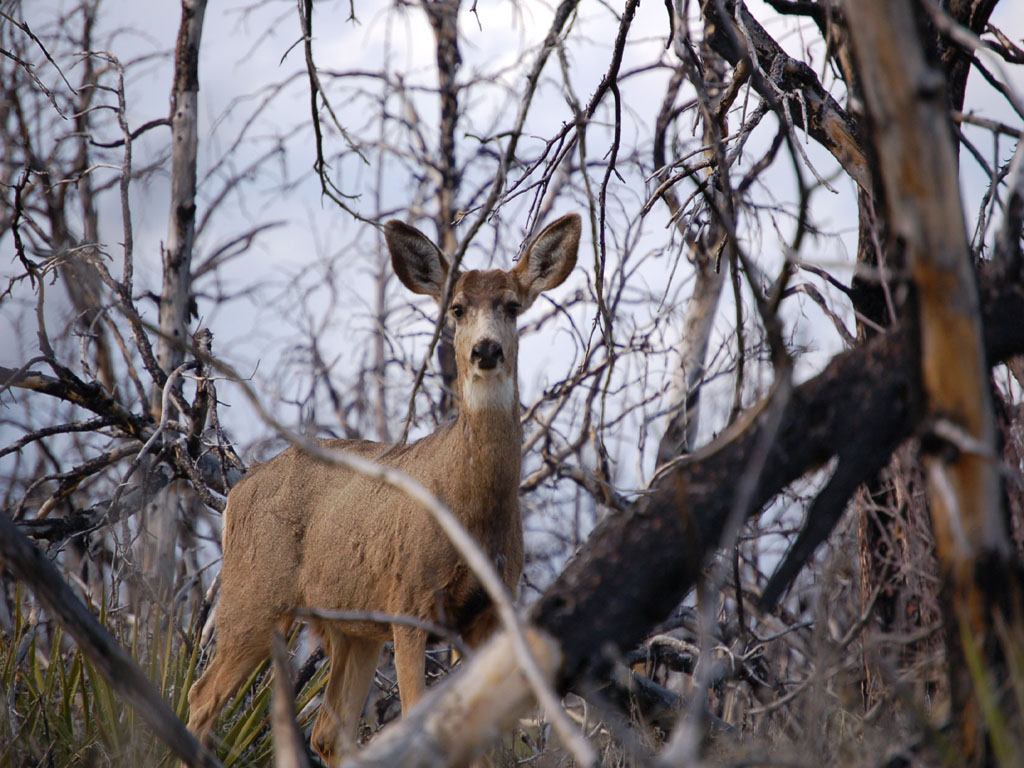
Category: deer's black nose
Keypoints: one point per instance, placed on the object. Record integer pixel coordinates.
(487, 354)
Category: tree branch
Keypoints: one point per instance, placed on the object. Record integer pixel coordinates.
(778, 76)
(637, 566)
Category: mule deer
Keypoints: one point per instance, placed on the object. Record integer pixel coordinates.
(302, 533)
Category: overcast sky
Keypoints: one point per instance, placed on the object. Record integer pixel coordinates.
(319, 249)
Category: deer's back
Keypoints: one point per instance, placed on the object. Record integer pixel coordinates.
(371, 547)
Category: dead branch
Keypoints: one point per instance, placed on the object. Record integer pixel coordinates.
(778, 77)
(176, 293)
(289, 745)
(637, 566)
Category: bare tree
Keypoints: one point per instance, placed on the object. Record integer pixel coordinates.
(776, 423)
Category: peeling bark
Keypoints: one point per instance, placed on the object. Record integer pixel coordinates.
(176, 294)
(458, 720)
(907, 101)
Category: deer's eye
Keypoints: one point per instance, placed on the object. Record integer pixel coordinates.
(513, 308)
(458, 311)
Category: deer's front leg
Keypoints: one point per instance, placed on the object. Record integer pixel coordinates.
(410, 664)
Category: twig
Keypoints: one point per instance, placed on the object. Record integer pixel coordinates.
(164, 416)
(289, 745)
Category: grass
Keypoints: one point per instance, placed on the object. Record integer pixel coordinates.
(58, 711)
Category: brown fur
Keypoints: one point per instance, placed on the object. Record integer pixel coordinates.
(303, 533)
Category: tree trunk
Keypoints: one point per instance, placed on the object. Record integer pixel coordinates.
(176, 301)
(907, 103)
(444, 19)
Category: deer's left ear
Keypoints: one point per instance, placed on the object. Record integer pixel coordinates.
(549, 259)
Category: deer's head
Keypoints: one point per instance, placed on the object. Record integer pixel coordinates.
(485, 303)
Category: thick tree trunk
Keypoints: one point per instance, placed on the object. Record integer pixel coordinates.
(907, 104)
(896, 551)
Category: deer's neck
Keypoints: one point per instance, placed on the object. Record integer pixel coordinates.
(492, 441)
(485, 480)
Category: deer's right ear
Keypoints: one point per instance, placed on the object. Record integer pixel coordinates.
(419, 263)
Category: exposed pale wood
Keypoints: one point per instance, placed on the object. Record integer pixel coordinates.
(460, 719)
(690, 353)
(289, 745)
(683, 398)
(907, 103)
(175, 294)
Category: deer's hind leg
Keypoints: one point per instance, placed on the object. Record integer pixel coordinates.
(353, 661)
(243, 641)
(481, 627)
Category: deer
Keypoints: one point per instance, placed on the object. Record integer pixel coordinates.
(303, 533)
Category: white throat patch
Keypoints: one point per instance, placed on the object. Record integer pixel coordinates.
(488, 392)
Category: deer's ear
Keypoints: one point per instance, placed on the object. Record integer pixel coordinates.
(549, 259)
(419, 263)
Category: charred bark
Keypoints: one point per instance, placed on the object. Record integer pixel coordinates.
(637, 566)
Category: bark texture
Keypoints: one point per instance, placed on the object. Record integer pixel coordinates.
(907, 104)
(176, 300)
(637, 566)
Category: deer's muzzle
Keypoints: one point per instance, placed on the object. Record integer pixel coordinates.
(487, 354)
